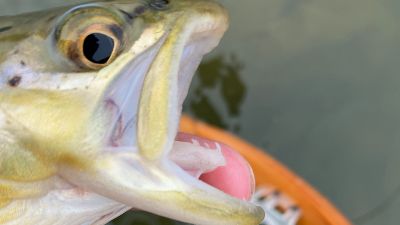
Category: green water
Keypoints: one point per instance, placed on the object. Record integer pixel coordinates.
(316, 83)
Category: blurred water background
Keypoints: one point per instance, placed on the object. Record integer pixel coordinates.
(314, 82)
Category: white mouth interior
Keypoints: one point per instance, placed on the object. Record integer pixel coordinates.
(123, 98)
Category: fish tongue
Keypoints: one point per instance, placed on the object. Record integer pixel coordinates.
(234, 176)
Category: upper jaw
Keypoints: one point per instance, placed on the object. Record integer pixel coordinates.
(167, 81)
(168, 65)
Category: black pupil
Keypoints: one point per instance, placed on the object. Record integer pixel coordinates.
(98, 48)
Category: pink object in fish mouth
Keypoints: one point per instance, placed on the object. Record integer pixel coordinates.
(218, 165)
(212, 162)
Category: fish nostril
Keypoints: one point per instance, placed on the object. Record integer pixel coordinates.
(159, 4)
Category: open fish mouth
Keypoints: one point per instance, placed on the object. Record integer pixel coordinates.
(147, 164)
(209, 161)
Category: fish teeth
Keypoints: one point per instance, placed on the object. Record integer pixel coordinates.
(195, 158)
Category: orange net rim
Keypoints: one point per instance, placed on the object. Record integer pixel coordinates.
(316, 209)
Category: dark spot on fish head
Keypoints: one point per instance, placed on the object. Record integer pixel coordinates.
(15, 81)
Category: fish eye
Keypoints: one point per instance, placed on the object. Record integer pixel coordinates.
(91, 47)
(98, 48)
(89, 37)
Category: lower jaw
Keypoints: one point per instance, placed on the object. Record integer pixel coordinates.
(235, 178)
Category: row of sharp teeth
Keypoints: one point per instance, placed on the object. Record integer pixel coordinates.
(205, 145)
